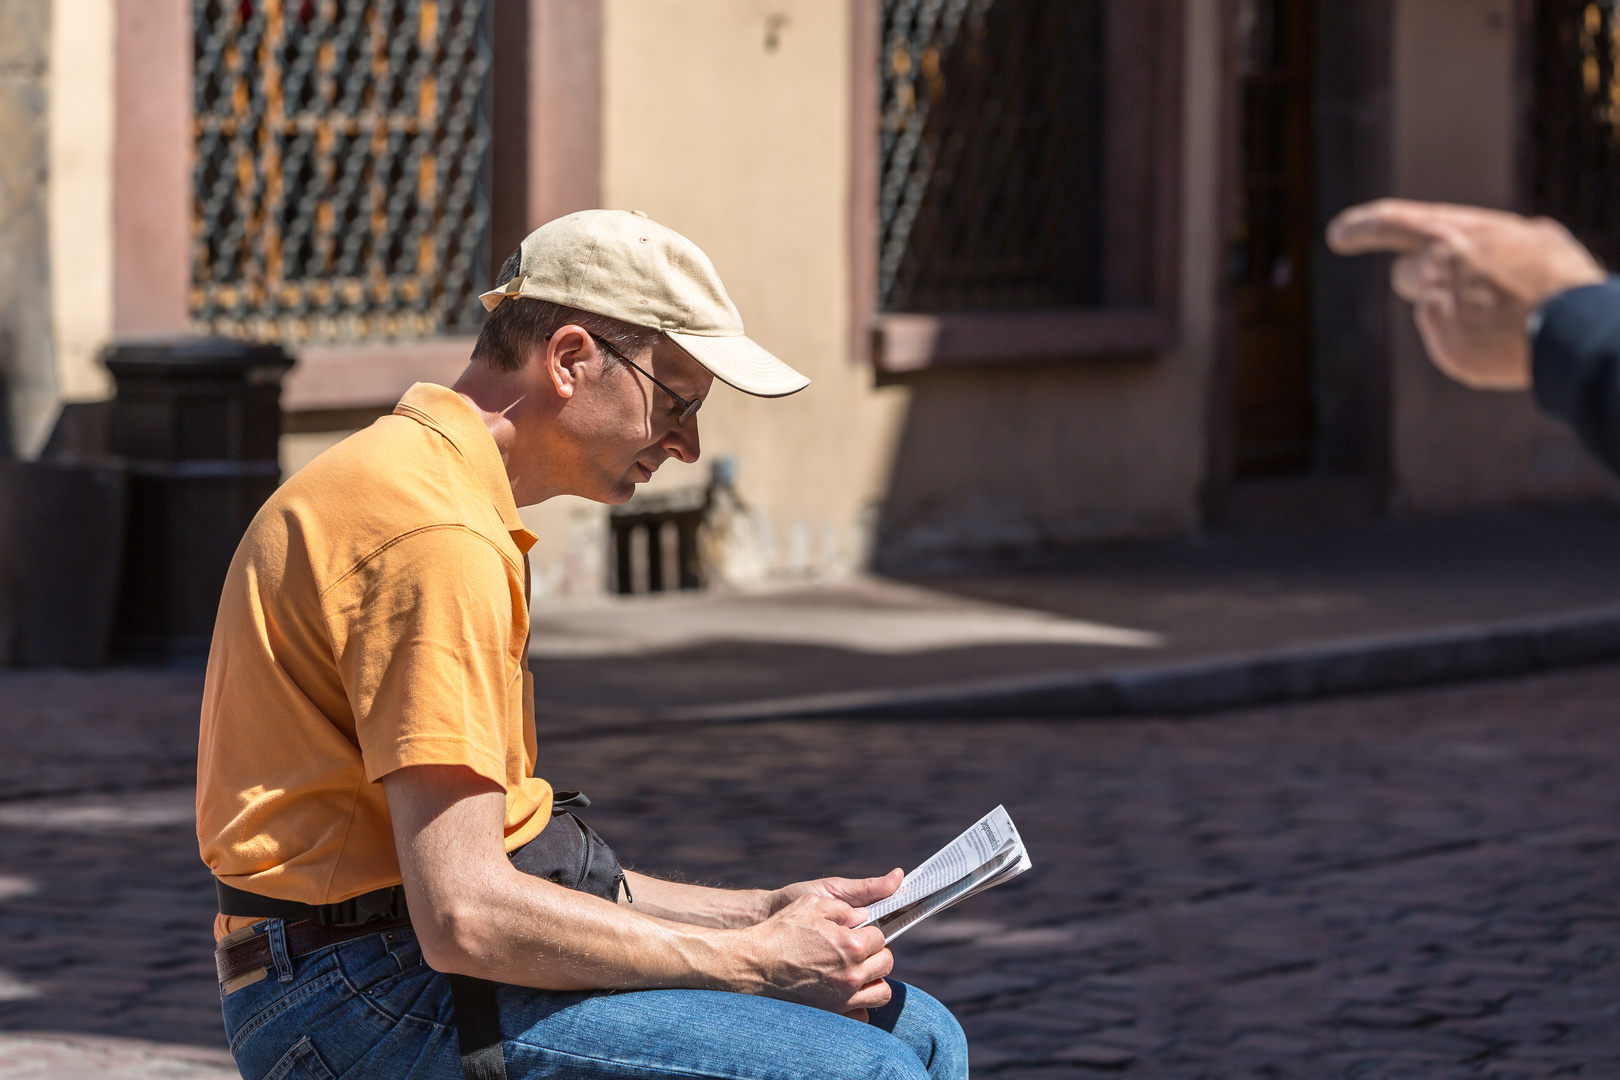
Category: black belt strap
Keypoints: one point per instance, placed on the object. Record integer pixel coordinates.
(478, 1020)
(355, 911)
(478, 1028)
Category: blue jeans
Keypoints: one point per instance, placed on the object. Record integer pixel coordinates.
(371, 1008)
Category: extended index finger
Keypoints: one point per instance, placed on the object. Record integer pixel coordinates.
(1398, 225)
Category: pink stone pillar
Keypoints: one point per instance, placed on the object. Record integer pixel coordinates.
(548, 115)
(152, 154)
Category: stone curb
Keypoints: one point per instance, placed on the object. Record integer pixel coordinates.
(1352, 666)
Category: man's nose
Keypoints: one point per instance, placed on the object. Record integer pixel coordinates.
(682, 441)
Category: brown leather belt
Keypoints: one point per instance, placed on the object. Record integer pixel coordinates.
(243, 958)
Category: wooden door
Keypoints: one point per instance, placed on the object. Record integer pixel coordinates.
(1272, 239)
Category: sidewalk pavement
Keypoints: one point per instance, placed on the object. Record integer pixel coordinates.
(1175, 627)
(51, 1056)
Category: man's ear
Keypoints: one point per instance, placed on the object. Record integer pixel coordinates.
(567, 355)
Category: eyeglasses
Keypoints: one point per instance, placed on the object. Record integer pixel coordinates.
(688, 409)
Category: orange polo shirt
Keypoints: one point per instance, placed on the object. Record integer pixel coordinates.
(374, 618)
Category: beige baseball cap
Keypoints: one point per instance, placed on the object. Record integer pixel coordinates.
(622, 264)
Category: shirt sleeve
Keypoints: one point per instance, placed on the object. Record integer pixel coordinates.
(429, 653)
(1576, 365)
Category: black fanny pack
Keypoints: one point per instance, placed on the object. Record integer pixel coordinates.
(567, 852)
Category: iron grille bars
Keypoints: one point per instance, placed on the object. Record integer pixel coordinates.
(341, 182)
(990, 148)
(1575, 122)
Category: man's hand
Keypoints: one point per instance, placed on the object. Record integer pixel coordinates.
(1475, 276)
(856, 892)
(813, 954)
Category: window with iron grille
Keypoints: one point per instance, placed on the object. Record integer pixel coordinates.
(1026, 165)
(341, 183)
(991, 154)
(1575, 120)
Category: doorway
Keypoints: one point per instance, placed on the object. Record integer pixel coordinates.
(1302, 419)
(1273, 239)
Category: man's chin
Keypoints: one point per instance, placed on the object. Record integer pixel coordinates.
(621, 492)
(615, 491)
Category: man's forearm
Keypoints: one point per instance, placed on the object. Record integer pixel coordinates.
(512, 928)
(697, 905)
(531, 932)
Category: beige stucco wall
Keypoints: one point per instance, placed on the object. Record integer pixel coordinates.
(1455, 140)
(80, 200)
(744, 149)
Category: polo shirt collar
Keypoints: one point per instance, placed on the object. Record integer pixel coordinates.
(446, 412)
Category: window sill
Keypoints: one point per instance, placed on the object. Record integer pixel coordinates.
(369, 375)
(902, 343)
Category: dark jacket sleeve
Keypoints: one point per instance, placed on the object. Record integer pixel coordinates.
(1576, 365)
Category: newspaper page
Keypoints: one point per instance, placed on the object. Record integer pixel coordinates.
(984, 856)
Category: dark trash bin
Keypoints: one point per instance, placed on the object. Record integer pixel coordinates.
(197, 425)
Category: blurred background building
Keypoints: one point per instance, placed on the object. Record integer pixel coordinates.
(1055, 266)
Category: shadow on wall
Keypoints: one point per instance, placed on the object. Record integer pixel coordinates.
(1009, 459)
(61, 554)
(62, 522)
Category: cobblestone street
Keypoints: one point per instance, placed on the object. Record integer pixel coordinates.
(1423, 884)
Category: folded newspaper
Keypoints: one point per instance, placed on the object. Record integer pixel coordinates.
(986, 855)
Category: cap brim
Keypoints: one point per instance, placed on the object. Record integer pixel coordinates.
(740, 362)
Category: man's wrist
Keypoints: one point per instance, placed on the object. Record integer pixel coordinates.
(758, 905)
(723, 960)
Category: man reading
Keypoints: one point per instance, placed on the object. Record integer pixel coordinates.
(400, 895)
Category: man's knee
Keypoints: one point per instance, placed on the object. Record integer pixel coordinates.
(928, 1029)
